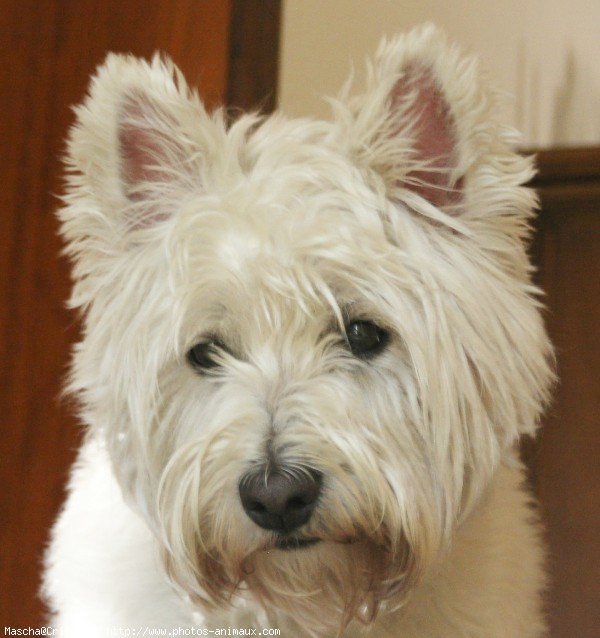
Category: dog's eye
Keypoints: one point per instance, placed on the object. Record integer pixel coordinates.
(365, 338)
(202, 355)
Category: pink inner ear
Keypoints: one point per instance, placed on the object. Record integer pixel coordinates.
(144, 147)
(433, 132)
(139, 150)
(143, 154)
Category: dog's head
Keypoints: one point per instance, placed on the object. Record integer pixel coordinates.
(307, 344)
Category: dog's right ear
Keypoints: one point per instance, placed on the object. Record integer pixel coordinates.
(141, 138)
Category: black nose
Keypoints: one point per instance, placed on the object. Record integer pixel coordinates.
(280, 501)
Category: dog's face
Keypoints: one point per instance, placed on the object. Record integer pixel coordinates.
(307, 344)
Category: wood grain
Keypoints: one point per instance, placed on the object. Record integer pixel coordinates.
(48, 51)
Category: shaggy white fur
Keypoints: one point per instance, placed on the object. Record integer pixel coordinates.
(263, 244)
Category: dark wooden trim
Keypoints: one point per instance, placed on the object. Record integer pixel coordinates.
(254, 54)
(567, 164)
(568, 175)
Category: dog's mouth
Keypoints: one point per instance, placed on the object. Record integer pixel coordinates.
(288, 543)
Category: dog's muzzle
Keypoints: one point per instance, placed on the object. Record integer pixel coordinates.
(280, 501)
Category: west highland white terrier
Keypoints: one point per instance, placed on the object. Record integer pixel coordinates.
(309, 351)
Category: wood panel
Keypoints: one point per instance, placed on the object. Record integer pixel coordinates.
(49, 48)
(565, 458)
(254, 57)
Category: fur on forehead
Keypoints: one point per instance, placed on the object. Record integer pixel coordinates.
(317, 261)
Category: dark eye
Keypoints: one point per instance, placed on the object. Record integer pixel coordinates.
(203, 355)
(365, 338)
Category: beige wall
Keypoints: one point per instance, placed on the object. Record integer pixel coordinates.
(546, 53)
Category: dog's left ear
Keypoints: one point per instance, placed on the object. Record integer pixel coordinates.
(425, 124)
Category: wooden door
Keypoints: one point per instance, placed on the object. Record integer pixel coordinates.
(227, 48)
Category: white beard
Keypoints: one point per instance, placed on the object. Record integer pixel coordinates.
(488, 580)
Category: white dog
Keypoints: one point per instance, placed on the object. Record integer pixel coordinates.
(310, 349)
